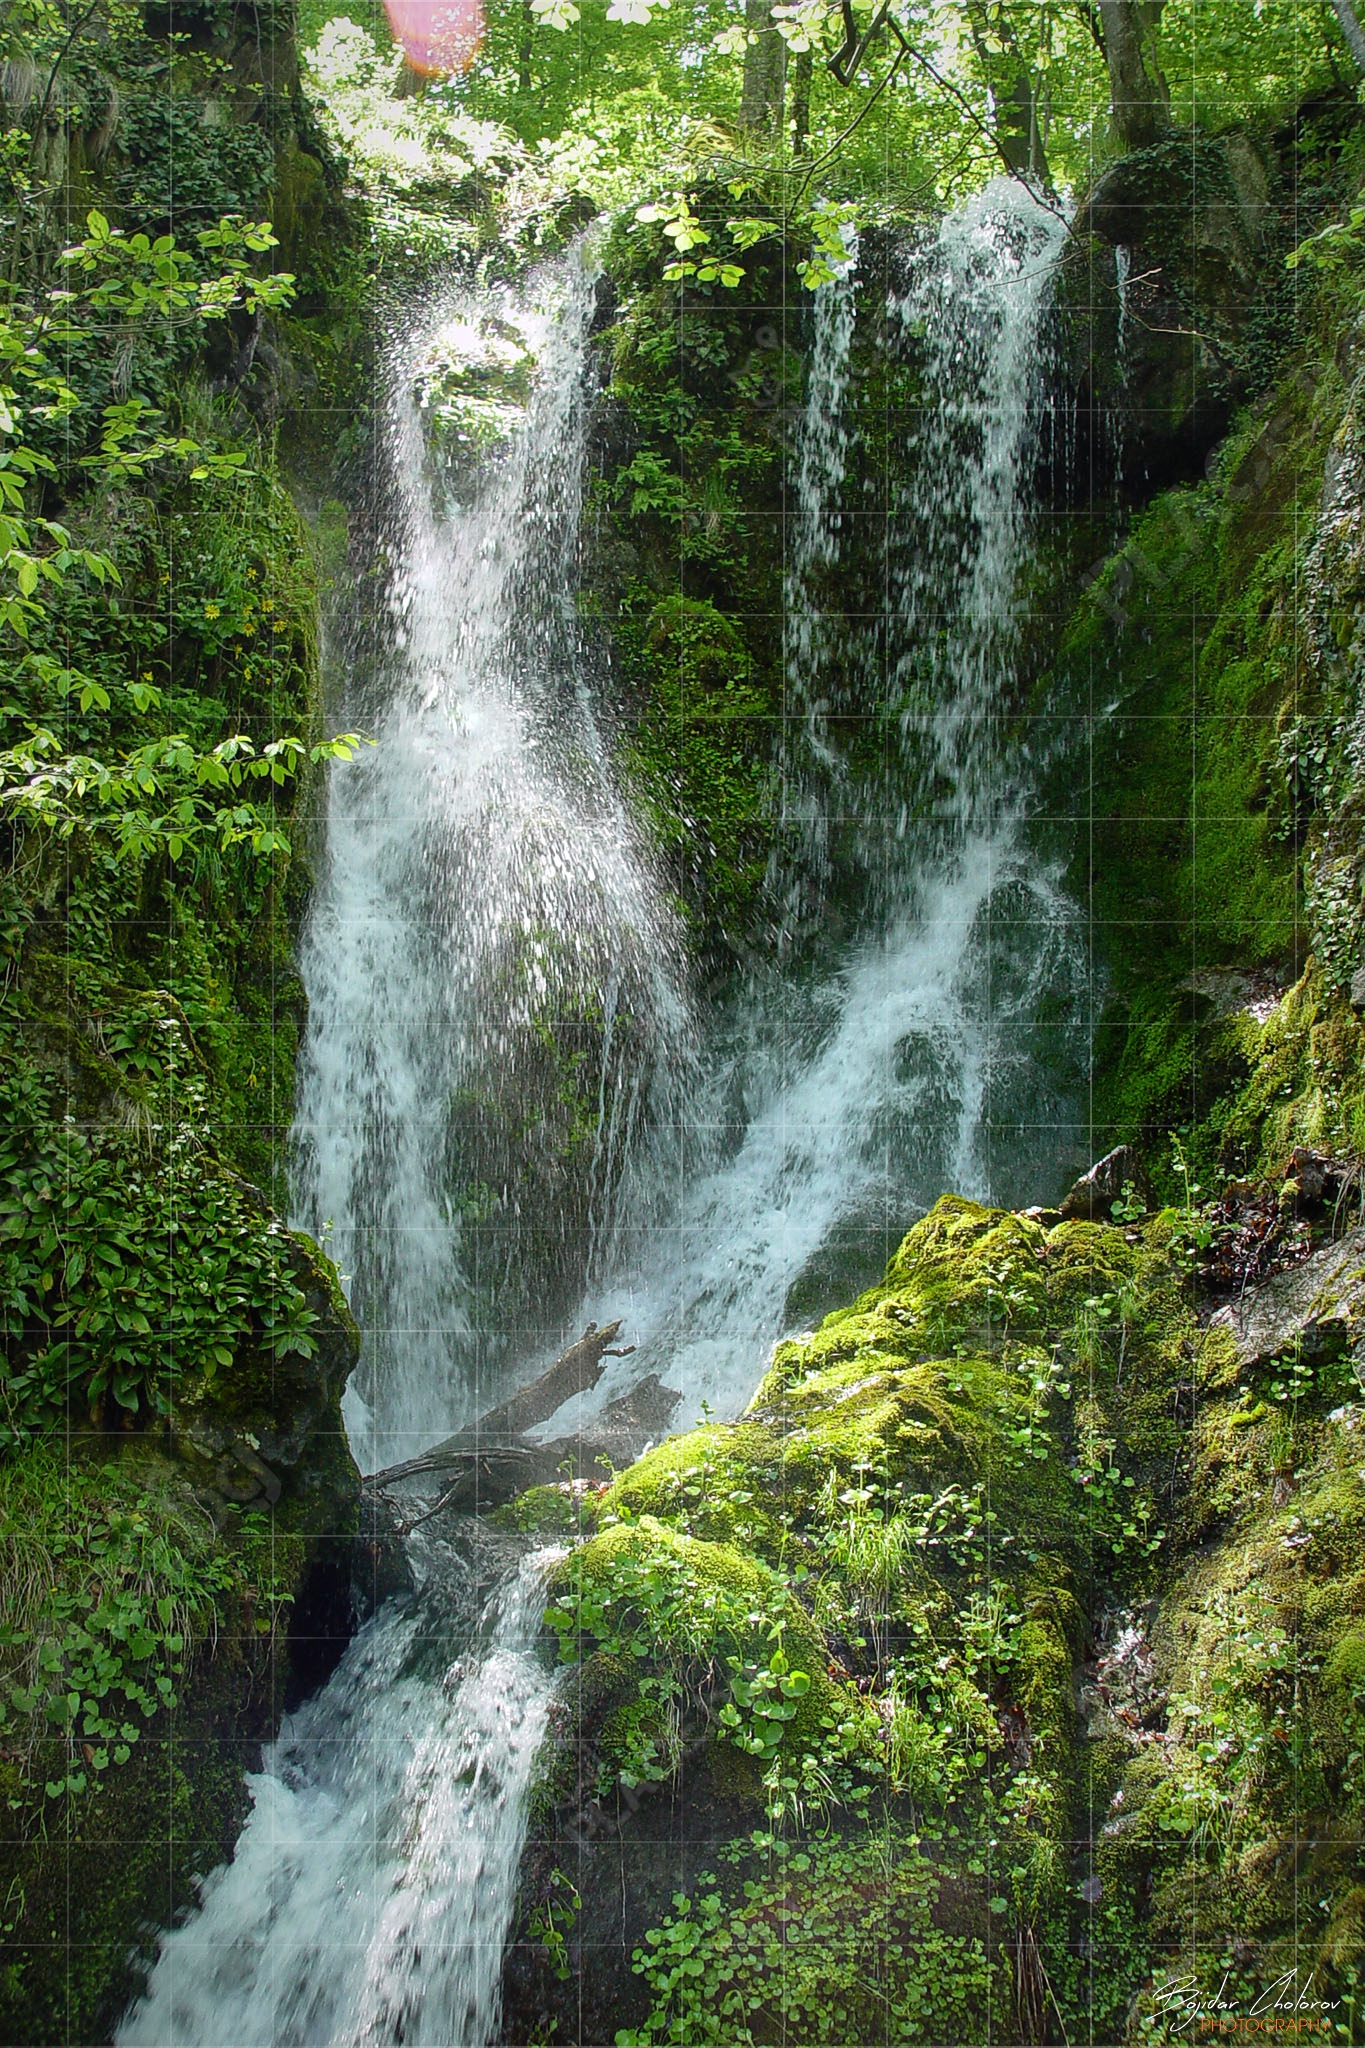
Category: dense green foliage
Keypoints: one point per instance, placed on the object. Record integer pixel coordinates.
(612, 97)
(159, 689)
(109, 1582)
(819, 1951)
(123, 1267)
(140, 1646)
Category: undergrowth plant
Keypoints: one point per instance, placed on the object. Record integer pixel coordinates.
(654, 1602)
(838, 1942)
(110, 1585)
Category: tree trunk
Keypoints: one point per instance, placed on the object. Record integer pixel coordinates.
(1014, 95)
(802, 71)
(1351, 29)
(528, 22)
(1139, 97)
(765, 71)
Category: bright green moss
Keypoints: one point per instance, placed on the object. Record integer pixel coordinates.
(1344, 1672)
(935, 1485)
(700, 1604)
(1258, 1782)
(1193, 634)
(1304, 1079)
(727, 1481)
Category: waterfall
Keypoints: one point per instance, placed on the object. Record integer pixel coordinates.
(486, 938)
(971, 307)
(819, 471)
(485, 944)
(918, 1065)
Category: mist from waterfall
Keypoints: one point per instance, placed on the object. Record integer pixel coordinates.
(854, 1097)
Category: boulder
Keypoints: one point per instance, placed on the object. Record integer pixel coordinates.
(1158, 286)
(1315, 1307)
(1092, 1198)
(270, 1430)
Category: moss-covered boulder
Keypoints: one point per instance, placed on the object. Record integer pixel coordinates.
(925, 1503)
(1075, 1581)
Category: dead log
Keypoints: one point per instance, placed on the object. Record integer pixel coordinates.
(580, 1368)
(493, 1474)
(445, 1457)
(499, 1432)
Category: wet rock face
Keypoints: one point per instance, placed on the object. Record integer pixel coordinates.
(1155, 294)
(625, 1856)
(473, 388)
(1095, 1193)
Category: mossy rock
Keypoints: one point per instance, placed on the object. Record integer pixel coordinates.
(95, 1872)
(1255, 1797)
(723, 1605)
(1343, 1675)
(974, 1374)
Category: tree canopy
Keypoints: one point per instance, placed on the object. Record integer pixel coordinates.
(899, 100)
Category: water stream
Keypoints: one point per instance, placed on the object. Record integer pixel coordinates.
(483, 899)
(368, 1899)
(745, 1169)
(918, 1063)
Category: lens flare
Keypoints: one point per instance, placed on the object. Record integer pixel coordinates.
(438, 36)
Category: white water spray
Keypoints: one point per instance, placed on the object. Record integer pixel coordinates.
(482, 902)
(913, 1069)
(369, 1898)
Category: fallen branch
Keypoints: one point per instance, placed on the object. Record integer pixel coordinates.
(501, 1432)
(444, 1457)
(578, 1370)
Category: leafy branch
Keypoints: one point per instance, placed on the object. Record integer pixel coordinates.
(42, 785)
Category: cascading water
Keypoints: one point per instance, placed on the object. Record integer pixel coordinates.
(481, 896)
(819, 471)
(915, 1066)
(483, 929)
(481, 903)
(369, 1896)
